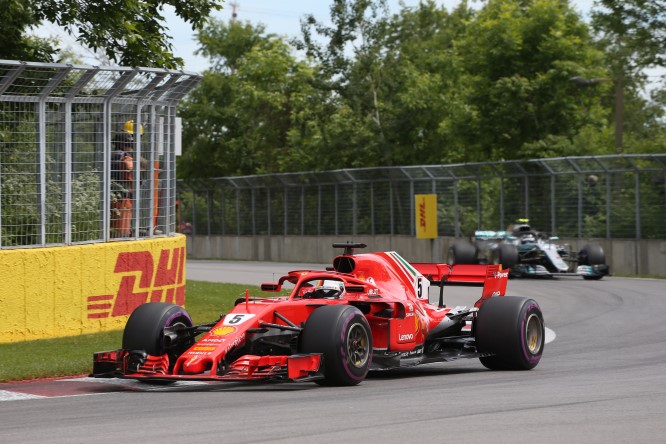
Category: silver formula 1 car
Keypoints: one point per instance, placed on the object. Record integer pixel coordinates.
(528, 253)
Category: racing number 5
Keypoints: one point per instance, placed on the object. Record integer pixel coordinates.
(237, 318)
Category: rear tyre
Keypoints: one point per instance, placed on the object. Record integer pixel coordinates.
(512, 328)
(462, 253)
(342, 335)
(145, 329)
(507, 255)
(592, 254)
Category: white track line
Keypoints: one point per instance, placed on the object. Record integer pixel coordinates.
(6, 395)
(550, 335)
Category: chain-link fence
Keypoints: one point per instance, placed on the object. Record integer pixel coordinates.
(621, 196)
(87, 154)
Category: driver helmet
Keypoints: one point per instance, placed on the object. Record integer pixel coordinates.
(527, 238)
(330, 285)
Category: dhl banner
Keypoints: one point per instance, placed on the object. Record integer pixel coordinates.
(426, 216)
(64, 291)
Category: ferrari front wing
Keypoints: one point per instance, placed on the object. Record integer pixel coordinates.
(139, 365)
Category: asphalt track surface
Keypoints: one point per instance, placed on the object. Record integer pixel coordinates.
(601, 380)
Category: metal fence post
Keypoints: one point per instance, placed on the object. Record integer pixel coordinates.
(336, 209)
(209, 211)
(552, 204)
(479, 216)
(526, 188)
(319, 210)
(412, 223)
(354, 210)
(254, 227)
(41, 173)
(302, 210)
(456, 217)
(391, 218)
(372, 208)
(502, 221)
(268, 210)
(637, 178)
(285, 207)
(609, 182)
(580, 206)
(224, 209)
(194, 212)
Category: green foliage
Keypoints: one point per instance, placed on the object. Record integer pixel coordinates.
(86, 202)
(425, 86)
(634, 31)
(520, 57)
(240, 118)
(632, 34)
(129, 32)
(17, 17)
(20, 189)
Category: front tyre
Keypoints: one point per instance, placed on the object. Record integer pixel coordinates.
(512, 329)
(145, 329)
(342, 335)
(592, 254)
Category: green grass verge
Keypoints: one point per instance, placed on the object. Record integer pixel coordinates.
(47, 358)
(641, 276)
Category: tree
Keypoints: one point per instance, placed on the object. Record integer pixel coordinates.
(241, 117)
(130, 32)
(633, 30)
(17, 17)
(349, 66)
(519, 57)
(422, 97)
(429, 86)
(633, 34)
(424, 86)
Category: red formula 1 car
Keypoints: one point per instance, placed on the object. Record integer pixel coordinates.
(368, 312)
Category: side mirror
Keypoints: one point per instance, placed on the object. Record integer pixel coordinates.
(271, 287)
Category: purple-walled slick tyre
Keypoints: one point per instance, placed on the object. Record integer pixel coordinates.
(511, 331)
(342, 335)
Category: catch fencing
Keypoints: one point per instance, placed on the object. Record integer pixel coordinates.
(612, 197)
(60, 129)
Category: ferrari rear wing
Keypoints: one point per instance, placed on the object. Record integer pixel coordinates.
(491, 277)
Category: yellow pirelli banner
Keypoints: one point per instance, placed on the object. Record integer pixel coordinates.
(64, 291)
(426, 216)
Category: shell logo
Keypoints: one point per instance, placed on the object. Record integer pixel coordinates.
(223, 331)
